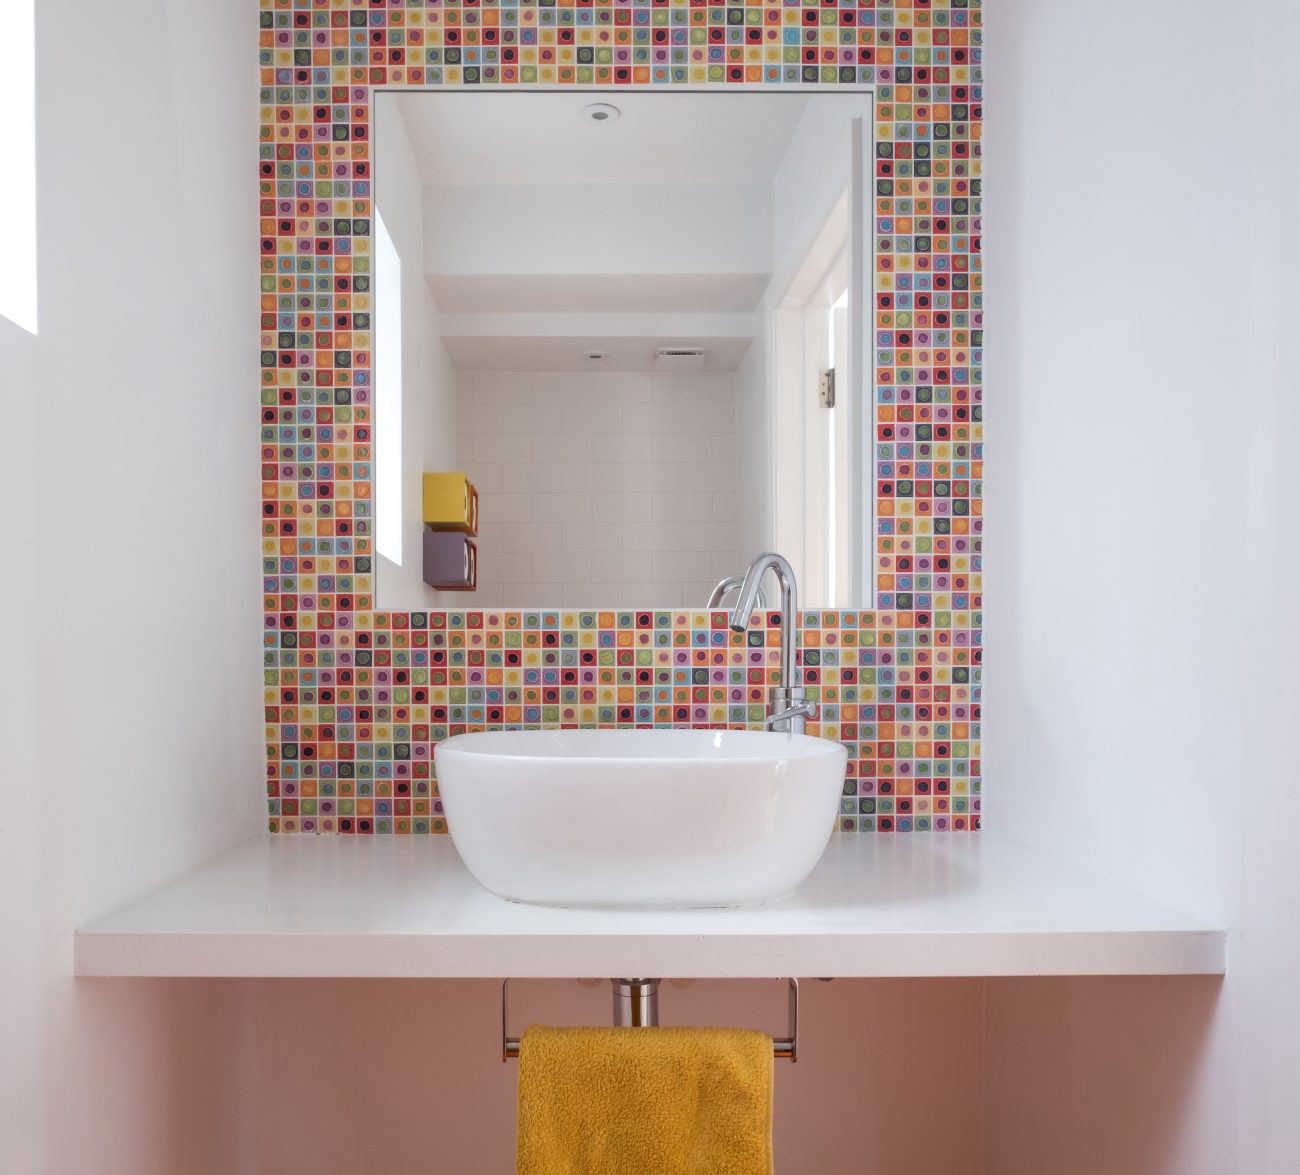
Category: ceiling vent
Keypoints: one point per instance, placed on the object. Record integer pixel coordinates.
(679, 359)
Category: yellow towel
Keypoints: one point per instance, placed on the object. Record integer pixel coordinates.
(645, 1101)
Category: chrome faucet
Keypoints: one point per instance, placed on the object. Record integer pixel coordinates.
(788, 708)
(725, 587)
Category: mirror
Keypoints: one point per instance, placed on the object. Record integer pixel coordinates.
(635, 322)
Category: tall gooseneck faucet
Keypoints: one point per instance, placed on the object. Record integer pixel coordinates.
(788, 708)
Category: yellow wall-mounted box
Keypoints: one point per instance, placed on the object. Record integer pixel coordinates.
(450, 502)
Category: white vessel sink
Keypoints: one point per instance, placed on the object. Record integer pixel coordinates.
(640, 817)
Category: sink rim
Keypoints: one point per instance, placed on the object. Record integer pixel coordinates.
(800, 746)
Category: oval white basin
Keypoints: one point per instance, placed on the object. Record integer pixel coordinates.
(640, 817)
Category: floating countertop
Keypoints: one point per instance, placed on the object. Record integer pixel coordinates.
(906, 905)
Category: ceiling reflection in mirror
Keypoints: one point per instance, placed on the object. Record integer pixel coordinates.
(619, 346)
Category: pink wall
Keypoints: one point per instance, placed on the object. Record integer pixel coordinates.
(141, 1079)
(405, 1077)
(1105, 1075)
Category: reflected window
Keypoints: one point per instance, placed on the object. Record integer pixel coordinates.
(387, 301)
(18, 144)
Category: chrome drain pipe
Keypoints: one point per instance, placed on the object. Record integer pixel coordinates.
(636, 1003)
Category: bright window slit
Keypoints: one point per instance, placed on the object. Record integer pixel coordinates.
(18, 144)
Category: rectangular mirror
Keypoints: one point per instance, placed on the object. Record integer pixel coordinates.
(625, 334)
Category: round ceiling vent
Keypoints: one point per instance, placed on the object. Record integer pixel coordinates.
(601, 113)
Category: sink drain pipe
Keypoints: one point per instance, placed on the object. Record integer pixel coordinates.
(636, 1003)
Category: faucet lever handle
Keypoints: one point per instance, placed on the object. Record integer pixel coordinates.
(799, 709)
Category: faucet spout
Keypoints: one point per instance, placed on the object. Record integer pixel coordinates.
(739, 621)
(724, 587)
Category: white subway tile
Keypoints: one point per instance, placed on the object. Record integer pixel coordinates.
(624, 387)
(581, 446)
(500, 507)
(504, 567)
(566, 386)
(652, 536)
(652, 477)
(474, 417)
(603, 478)
(558, 448)
(532, 595)
(503, 387)
(678, 507)
(729, 561)
(564, 507)
(715, 477)
(532, 478)
(585, 595)
(679, 566)
(652, 418)
(485, 595)
(532, 536)
(592, 536)
(712, 418)
(725, 508)
(546, 449)
(508, 448)
(708, 536)
(550, 396)
(682, 389)
(593, 418)
(619, 567)
(489, 538)
(671, 446)
(562, 567)
(623, 507)
(487, 479)
(577, 536)
(698, 591)
(620, 447)
(655, 595)
(531, 418)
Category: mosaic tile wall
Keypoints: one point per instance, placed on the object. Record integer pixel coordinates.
(356, 699)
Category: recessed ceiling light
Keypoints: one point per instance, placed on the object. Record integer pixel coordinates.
(595, 356)
(601, 113)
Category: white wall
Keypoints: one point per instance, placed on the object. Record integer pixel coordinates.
(600, 490)
(1139, 715)
(428, 378)
(21, 837)
(1119, 454)
(1142, 634)
(813, 174)
(132, 729)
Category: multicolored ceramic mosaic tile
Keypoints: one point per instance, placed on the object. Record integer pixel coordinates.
(355, 698)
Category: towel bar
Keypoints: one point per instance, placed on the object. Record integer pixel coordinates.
(783, 1048)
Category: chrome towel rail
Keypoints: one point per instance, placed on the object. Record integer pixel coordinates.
(636, 1004)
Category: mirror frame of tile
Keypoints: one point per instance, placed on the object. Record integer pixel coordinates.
(356, 699)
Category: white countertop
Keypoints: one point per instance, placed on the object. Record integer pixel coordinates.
(936, 904)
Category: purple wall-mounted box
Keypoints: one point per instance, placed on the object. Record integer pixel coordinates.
(450, 560)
